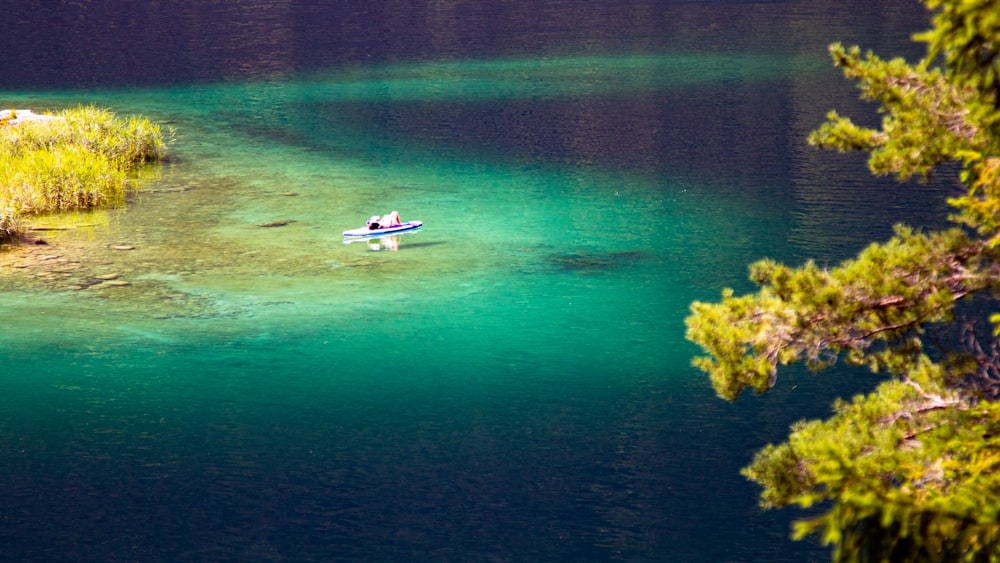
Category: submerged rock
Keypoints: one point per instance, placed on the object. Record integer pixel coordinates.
(591, 261)
(278, 223)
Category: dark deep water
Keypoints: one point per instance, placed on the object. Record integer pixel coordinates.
(513, 383)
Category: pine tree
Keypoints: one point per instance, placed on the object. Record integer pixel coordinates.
(910, 471)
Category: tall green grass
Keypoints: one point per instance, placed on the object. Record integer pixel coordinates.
(83, 159)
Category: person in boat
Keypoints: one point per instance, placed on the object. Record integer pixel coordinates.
(388, 220)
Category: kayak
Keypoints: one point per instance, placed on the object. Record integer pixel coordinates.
(366, 232)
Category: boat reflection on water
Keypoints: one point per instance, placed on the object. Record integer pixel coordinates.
(378, 243)
(384, 243)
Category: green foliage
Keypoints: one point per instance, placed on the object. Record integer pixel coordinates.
(965, 34)
(905, 471)
(869, 311)
(911, 471)
(83, 158)
(927, 120)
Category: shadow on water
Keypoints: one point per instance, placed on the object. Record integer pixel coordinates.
(426, 244)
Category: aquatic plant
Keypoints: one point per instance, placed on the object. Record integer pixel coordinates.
(9, 224)
(77, 158)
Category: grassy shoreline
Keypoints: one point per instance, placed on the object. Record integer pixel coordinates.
(78, 158)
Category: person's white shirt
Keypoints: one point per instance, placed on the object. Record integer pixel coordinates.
(391, 219)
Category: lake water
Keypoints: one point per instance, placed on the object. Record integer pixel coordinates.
(212, 374)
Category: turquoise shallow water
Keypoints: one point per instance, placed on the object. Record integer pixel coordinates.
(183, 382)
(500, 383)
